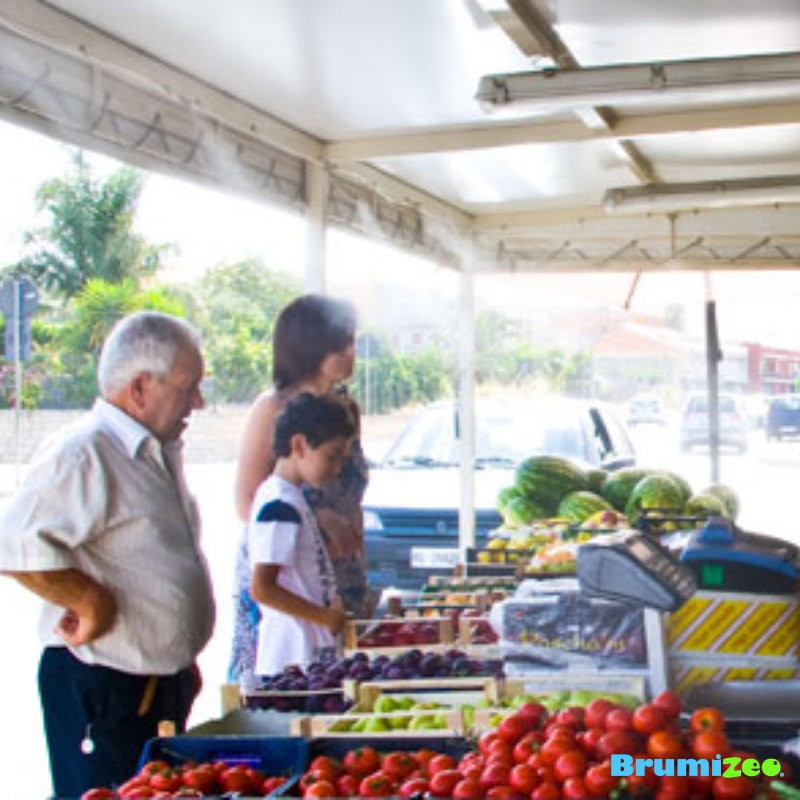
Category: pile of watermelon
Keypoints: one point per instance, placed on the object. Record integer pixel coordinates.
(551, 486)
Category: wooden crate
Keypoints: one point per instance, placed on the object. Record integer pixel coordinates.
(450, 691)
(331, 724)
(441, 631)
(465, 627)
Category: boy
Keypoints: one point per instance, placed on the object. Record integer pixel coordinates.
(293, 579)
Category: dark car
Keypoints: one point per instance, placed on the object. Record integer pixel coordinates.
(412, 503)
(783, 416)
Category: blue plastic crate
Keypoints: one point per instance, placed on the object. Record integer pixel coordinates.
(274, 755)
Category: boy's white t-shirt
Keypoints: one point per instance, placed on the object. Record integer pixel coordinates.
(283, 530)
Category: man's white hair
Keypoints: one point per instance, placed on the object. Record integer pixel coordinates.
(147, 341)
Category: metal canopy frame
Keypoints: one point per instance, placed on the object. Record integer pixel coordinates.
(64, 77)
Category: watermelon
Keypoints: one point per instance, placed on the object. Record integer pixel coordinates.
(504, 497)
(729, 498)
(595, 480)
(579, 506)
(523, 511)
(546, 479)
(683, 484)
(705, 506)
(619, 485)
(654, 493)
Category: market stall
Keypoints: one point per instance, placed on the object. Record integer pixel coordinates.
(633, 643)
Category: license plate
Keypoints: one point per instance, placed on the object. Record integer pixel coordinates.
(434, 557)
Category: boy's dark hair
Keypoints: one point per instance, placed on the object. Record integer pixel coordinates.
(319, 418)
(306, 331)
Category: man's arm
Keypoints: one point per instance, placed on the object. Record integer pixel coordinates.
(89, 608)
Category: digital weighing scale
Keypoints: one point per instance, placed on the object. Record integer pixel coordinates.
(725, 558)
(633, 567)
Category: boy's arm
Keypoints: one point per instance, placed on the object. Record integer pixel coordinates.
(264, 589)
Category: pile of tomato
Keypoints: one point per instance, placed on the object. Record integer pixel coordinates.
(532, 755)
(159, 779)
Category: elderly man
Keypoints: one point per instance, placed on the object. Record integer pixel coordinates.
(104, 531)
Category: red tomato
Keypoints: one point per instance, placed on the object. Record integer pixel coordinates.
(441, 762)
(526, 747)
(669, 702)
(413, 786)
(320, 789)
(512, 728)
(505, 793)
(572, 717)
(468, 789)
(599, 780)
(487, 739)
(588, 740)
(202, 778)
(618, 719)
(362, 761)
(442, 783)
(424, 755)
(237, 778)
(523, 778)
(533, 713)
(575, 789)
(710, 743)
(705, 719)
(663, 744)
(399, 765)
(168, 780)
(326, 768)
(553, 748)
(151, 767)
(99, 793)
(347, 785)
(378, 784)
(495, 774)
(617, 742)
(546, 791)
(673, 787)
(648, 718)
(594, 715)
(134, 785)
(741, 788)
(501, 751)
(571, 764)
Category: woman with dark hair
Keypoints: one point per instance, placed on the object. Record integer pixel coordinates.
(313, 351)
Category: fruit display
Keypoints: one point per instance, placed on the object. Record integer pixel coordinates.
(537, 754)
(548, 486)
(398, 633)
(182, 767)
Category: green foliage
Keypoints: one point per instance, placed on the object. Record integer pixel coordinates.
(392, 380)
(90, 232)
(237, 308)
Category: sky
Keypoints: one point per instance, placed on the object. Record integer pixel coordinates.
(210, 227)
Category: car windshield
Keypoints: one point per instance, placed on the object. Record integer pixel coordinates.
(505, 435)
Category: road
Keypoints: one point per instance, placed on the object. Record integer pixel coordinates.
(765, 479)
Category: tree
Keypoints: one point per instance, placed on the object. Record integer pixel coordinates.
(90, 233)
(239, 304)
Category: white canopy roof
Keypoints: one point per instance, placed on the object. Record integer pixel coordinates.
(372, 105)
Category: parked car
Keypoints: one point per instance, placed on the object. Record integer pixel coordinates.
(644, 409)
(695, 424)
(783, 416)
(411, 507)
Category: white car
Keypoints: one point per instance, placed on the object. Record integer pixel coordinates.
(413, 498)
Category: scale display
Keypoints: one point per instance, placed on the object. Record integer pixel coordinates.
(632, 566)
